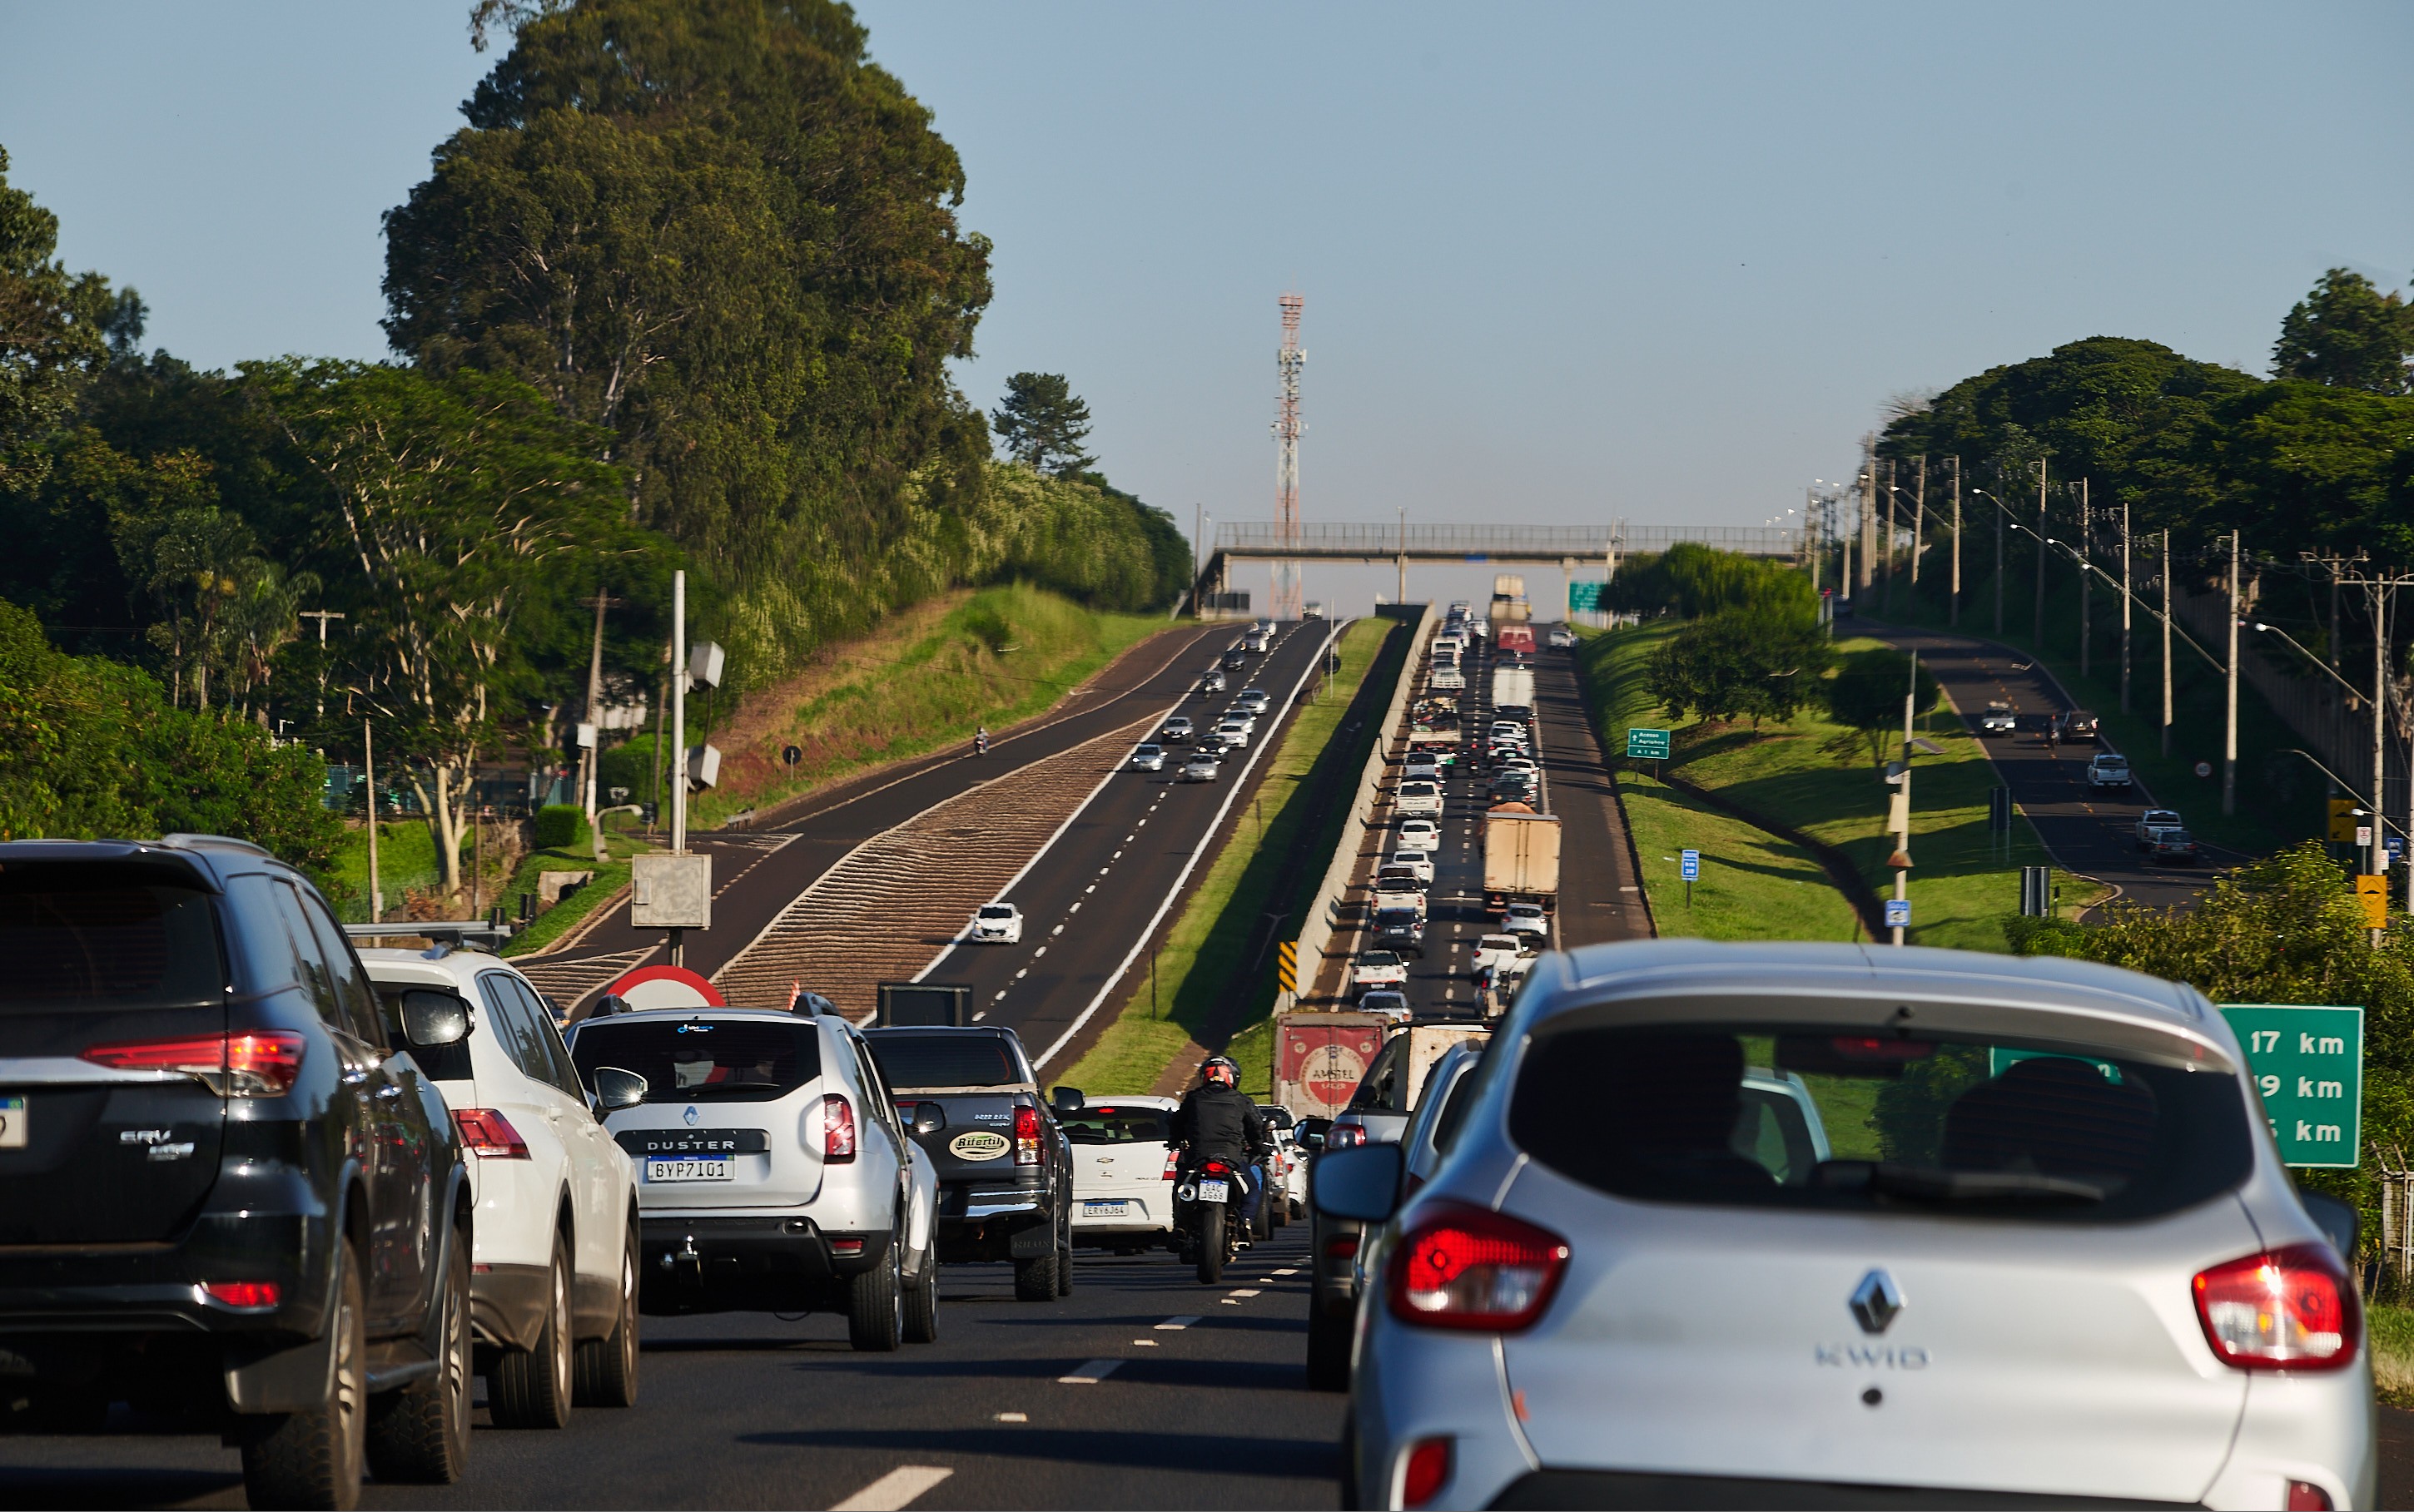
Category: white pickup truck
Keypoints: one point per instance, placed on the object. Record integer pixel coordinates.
(2154, 820)
(2107, 770)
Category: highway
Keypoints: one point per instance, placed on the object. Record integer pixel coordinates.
(2089, 831)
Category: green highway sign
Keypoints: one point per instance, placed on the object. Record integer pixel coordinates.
(1646, 745)
(1585, 598)
(2308, 1064)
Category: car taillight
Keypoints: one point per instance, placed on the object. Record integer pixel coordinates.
(1026, 1136)
(1470, 1268)
(259, 1295)
(837, 1129)
(1172, 1166)
(1341, 1246)
(1427, 1468)
(487, 1135)
(1345, 1137)
(2305, 1496)
(256, 1064)
(2285, 1309)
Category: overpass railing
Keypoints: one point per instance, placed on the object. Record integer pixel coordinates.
(1344, 538)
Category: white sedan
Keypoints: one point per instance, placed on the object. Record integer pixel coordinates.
(997, 924)
(1148, 758)
(1420, 864)
(1563, 638)
(1527, 920)
(1233, 732)
(1498, 952)
(1420, 835)
(1379, 968)
(1200, 768)
(1419, 798)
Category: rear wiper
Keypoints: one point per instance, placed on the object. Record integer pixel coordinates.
(1922, 1184)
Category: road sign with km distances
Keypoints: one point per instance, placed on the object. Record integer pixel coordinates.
(1646, 745)
(2308, 1064)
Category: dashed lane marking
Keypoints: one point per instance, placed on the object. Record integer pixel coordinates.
(1089, 1373)
(1014, 1417)
(984, 1013)
(1145, 1344)
(1287, 1270)
(1175, 1324)
(896, 1489)
(1036, 954)
(1243, 1291)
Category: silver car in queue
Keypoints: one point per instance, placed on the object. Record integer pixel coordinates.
(2054, 1253)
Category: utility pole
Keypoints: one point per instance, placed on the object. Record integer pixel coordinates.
(2166, 640)
(1887, 545)
(2229, 725)
(2382, 585)
(1900, 860)
(593, 759)
(2086, 576)
(1866, 487)
(1953, 613)
(321, 615)
(678, 735)
(369, 775)
(2000, 514)
(1918, 518)
(2037, 638)
(2125, 606)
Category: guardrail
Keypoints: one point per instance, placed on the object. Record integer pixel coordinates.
(1373, 539)
(1323, 910)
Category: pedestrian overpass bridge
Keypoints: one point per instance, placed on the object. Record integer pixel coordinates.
(1542, 545)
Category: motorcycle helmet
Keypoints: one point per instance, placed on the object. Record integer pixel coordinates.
(1220, 1068)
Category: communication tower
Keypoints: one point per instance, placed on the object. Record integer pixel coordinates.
(1287, 426)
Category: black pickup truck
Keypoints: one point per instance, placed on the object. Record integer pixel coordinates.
(228, 1192)
(1005, 1166)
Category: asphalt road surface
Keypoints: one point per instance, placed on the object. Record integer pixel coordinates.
(1143, 1388)
(2090, 831)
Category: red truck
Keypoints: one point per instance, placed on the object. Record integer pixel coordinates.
(1515, 640)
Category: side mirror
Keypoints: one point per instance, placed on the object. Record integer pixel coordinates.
(929, 1118)
(2335, 1219)
(1361, 1184)
(431, 1018)
(616, 1088)
(1065, 1100)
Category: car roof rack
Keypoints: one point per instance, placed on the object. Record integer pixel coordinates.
(459, 934)
(184, 841)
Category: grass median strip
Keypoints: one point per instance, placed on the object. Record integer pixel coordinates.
(1201, 964)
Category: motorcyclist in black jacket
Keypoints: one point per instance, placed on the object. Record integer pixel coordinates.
(1216, 1119)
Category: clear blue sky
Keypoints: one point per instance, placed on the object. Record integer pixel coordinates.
(1563, 263)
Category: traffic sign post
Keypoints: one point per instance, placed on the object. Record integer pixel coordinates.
(1690, 865)
(1898, 913)
(1646, 745)
(2372, 891)
(2307, 1063)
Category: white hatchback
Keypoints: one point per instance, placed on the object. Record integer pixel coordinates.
(553, 1289)
(996, 924)
(1420, 864)
(1123, 1171)
(1528, 922)
(1419, 835)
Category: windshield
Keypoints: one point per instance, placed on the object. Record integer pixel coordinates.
(1496, 943)
(1118, 1125)
(910, 1059)
(996, 910)
(92, 937)
(1991, 1128)
(1377, 957)
(732, 1061)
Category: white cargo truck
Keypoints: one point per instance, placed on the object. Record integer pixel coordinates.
(1513, 688)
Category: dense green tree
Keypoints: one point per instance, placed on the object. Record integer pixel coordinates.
(1740, 663)
(1693, 579)
(1043, 423)
(1868, 691)
(2347, 335)
(717, 230)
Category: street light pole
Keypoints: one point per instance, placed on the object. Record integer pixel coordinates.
(1953, 610)
(321, 615)
(2125, 606)
(2166, 641)
(2229, 723)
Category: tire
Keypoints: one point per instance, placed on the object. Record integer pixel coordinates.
(1328, 1350)
(1278, 1205)
(421, 1434)
(604, 1374)
(922, 1301)
(315, 1458)
(1064, 1271)
(1211, 1242)
(875, 1303)
(531, 1387)
(1035, 1280)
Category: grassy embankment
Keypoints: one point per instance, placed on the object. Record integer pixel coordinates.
(1807, 774)
(925, 680)
(1201, 967)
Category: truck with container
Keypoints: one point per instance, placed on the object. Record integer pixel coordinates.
(1521, 858)
(1513, 688)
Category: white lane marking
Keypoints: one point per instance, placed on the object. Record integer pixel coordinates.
(1000, 992)
(984, 1013)
(1133, 836)
(1117, 856)
(1230, 1301)
(1014, 1417)
(1075, 909)
(1060, 928)
(1145, 1344)
(1090, 1373)
(1243, 1291)
(1175, 1324)
(1019, 975)
(896, 1489)
(1288, 1270)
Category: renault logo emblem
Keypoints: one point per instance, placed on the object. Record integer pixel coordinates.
(1875, 1301)
(691, 1116)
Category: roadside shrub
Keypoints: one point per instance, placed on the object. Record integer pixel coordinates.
(561, 827)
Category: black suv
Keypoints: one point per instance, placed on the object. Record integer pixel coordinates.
(1005, 1166)
(227, 1191)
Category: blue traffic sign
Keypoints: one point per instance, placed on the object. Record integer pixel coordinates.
(1692, 866)
(1897, 913)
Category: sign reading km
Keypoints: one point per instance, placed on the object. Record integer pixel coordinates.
(1646, 745)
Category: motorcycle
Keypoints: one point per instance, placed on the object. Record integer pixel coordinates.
(1207, 1215)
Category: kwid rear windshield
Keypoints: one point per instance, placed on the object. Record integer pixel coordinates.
(946, 1058)
(100, 937)
(1115, 1124)
(699, 1059)
(1838, 1119)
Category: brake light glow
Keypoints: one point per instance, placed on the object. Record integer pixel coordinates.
(1428, 1468)
(2305, 1496)
(837, 1129)
(1345, 1137)
(248, 1295)
(1470, 1268)
(1172, 1166)
(487, 1135)
(1026, 1136)
(255, 1064)
(2292, 1308)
